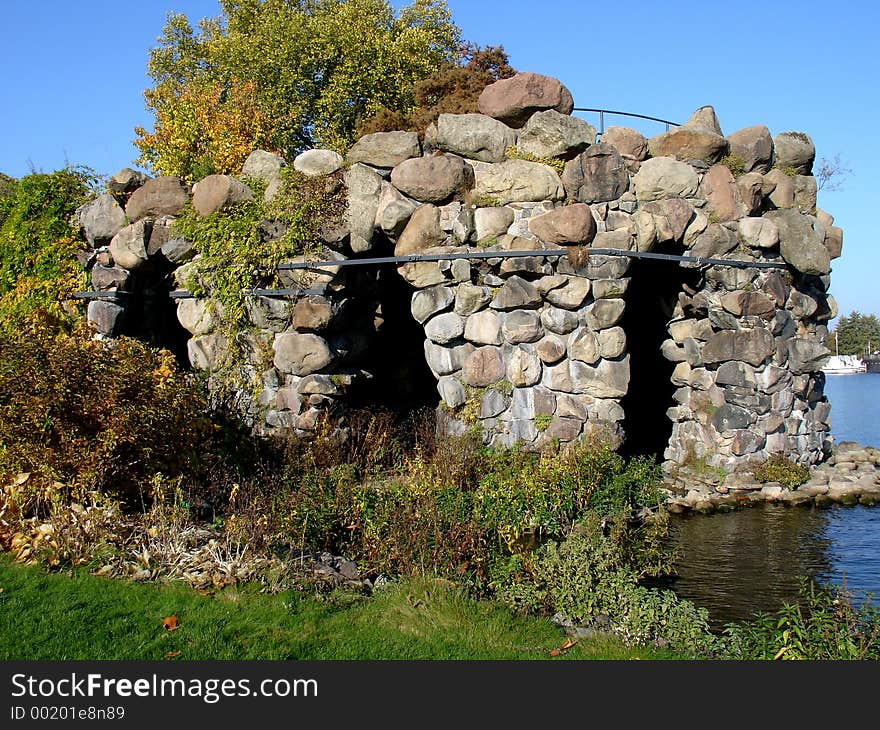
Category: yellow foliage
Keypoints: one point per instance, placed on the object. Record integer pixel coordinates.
(203, 129)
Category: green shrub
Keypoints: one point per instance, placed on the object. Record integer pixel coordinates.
(80, 416)
(824, 624)
(781, 469)
(733, 162)
(591, 577)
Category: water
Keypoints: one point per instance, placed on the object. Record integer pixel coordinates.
(740, 562)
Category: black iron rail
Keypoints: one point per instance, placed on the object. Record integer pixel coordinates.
(555, 252)
(476, 255)
(603, 112)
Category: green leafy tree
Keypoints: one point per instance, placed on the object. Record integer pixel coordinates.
(290, 74)
(855, 334)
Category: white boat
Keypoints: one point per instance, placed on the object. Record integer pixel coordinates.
(844, 364)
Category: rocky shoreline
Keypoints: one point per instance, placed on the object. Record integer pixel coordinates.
(850, 476)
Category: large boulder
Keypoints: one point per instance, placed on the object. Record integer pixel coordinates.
(517, 181)
(799, 242)
(492, 222)
(596, 175)
(364, 188)
(551, 134)
(483, 367)
(301, 354)
(318, 162)
(126, 181)
(670, 217)
(628, 142)
(263, 165)
(129, 246)
(394, 210)
(806, 355)
(719, 189)
(663, 177)
(752, 346)
(109, 277)
(385, 149)
(105, 317)
(689, 143)
(167, 195)
(218, 192)
(101, 219)
(570, 224)
(758, 232)
(421, 232)
(433, 179)
(515, 99)
(795, 152)
(704, 118)
(754, 146)
(715, 241)
(475, 136)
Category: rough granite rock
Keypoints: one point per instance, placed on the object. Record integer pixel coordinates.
(433, 179)
(689, 143)
(663, 177)
(628, 142)
(384, 149)
(218, 192)
(799, 243)
(317, 162)
(596, 175)
(266, 166)
(570, 224)
(157, 197)
(517, 181)
(551, 134)
(421, 232)
(794, 151)
(129, 246)
(301, 354)
(754, 146)
(515, 99)
(364, 189)
(101, 219)
(474, 136)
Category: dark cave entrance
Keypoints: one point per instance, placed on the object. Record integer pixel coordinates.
(651, 298)
(401, 380)
(151, 313)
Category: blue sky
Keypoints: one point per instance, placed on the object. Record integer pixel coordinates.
(73, 75)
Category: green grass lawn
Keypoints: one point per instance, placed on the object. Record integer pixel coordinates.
(80, 616)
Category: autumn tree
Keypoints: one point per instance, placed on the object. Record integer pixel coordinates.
(855, 334)
(284, 75)
(454, 88)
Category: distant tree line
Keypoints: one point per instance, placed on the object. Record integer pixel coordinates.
(855, 334)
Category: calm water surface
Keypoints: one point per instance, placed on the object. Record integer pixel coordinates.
(740, 562)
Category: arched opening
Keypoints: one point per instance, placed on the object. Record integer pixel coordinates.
(401, 380)
(151, 313)
(650, 302)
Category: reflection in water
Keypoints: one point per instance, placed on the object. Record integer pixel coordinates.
(741, 562)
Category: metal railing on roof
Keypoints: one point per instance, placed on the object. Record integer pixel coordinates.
(603, 112)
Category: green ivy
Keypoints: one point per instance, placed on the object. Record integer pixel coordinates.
(38, 243)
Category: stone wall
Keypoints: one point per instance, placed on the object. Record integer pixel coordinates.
(534, 349)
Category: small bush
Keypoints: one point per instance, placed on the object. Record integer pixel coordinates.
(80, 416)
(824, 624)
(590, 577)
(781, 469)
(734, 163)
